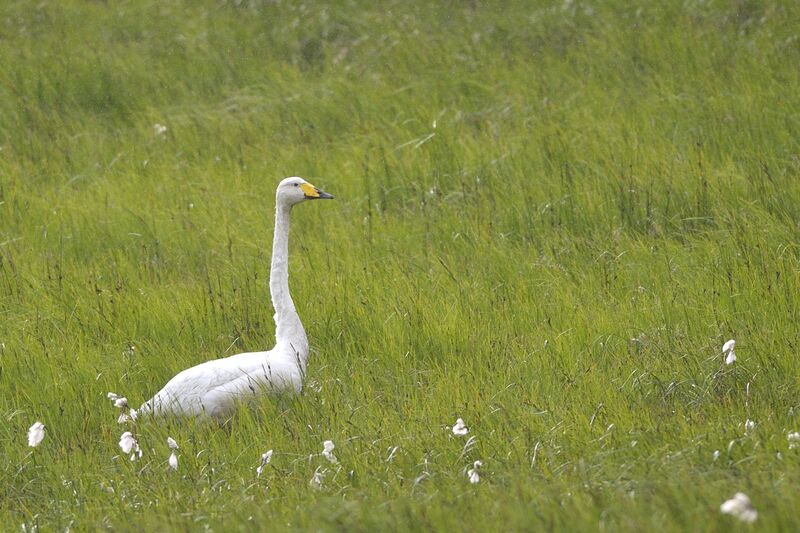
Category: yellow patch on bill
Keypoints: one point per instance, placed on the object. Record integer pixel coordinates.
(309, 190)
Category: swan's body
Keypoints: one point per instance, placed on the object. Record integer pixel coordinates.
(213, 388)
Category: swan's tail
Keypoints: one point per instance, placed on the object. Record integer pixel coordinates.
(146, 409)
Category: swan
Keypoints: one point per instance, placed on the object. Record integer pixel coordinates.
(212, 389)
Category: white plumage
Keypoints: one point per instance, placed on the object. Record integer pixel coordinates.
(213, 388)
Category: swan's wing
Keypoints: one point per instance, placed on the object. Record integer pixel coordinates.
(213, 387)
(266, 377)
(183, 394)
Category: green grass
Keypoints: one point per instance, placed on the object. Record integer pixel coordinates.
(549, 218)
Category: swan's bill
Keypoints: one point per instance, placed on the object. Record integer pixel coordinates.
(312, 193)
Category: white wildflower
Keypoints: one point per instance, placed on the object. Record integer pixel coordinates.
(728, 352)
(749, 426)
(127, 442)
(740, 507)
(173, 461)
(472, 473)
(128, 445)
(317, 478)
(265, 459)
(35, 434)
(728, 346)
(794, 440)
(460, 428)
(327, 451)
(122, 403)
(159, 129)
(715, 455)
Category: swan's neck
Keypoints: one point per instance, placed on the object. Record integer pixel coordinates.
(289, 332)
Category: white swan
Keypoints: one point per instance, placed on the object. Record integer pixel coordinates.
(214, 387)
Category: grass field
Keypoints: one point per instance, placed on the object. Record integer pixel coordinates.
(548, 219)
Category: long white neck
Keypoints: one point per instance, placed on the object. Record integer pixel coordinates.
(289, 332)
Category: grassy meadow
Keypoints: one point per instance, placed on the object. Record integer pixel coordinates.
(549, 217)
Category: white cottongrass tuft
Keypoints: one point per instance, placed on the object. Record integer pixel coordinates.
(35, 434)
(173, 459)
(749, 426)
(460, 428)
(317, 478)
(122, 403)
(127, 442)
(159, 129)
(128, 445)
(327, 451)
(265, 459)
(727, 351)
(794, 440)
(472, 473)
(740, 507)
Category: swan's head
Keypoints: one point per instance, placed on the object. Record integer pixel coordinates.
(295, 190)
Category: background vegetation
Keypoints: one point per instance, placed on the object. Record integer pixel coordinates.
(549, 217)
